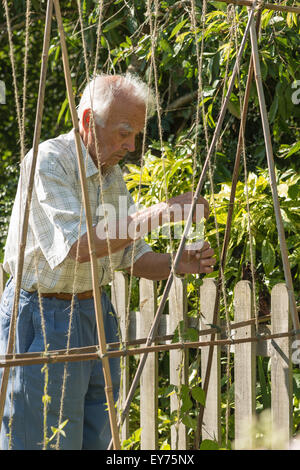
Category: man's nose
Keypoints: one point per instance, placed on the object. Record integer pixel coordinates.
(129, 145)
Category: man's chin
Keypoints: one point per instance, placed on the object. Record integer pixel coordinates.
(112, 162)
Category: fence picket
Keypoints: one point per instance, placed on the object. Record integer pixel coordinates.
(211, 428)
(281, 365)
(244, 368)
(149, 377)
(178, 359)
(119, 297)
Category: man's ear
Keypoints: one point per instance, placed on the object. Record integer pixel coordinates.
(86, 116)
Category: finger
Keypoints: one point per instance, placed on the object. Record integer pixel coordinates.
(207, 270)
(209, 253)
(207, 262)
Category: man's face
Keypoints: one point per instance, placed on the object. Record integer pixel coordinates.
(125, 121)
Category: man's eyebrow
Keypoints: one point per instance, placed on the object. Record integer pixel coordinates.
(125, 126)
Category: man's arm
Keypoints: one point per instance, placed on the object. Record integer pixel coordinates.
(133, 227)
(156, 266)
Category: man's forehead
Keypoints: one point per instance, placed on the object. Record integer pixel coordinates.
(127, 111)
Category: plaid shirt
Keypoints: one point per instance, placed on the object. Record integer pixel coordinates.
(54, 220)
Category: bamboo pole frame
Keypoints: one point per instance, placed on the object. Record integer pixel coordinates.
(24, 225)
(92, 352)
(103, 353)
(272, 175)
(91, 242)
(63, 355)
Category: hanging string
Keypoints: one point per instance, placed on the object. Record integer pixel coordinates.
(28, 5)
(98, 35)
(21, 126)
(200, 102)
(45, 370)
(228, 323)
(13, 65)
(199, 55)
(249, 222)
(74, 289)
(154, 35)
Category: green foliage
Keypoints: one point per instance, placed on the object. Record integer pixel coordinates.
(150, 184)
(125, 44)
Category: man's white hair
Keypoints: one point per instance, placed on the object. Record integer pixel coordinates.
(100, 92)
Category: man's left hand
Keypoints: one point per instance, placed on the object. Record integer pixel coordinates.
(197, 258)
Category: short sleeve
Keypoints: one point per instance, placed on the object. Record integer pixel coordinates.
(133, 252)
(55, 208)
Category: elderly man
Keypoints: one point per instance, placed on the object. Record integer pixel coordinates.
(112, 112)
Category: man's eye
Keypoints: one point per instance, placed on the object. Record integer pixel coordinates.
(124, 134)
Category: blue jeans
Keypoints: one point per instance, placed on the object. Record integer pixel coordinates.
(84, 405)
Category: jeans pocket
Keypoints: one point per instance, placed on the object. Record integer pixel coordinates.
(6, 305)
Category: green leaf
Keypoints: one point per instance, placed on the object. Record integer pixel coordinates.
(293, 191)
(112, 25)
(165, 446)
(46, 399)
(62, 110)
(207, 444)
(296, 385)
(268, 256)
(199, 395)
(186, 405)
(295, 148)
(273, 109)
(265, 392)
(186, 402)
(177, 28)
(191, 334)
(189, 422)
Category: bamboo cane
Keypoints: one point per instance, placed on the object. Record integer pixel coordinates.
(263, 6)
(272, 175)
(94, 265)
(74, 354)
(188, 223)
(36, 140)
(227, 235)
(96, 354)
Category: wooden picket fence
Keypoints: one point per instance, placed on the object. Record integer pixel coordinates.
(245, 354)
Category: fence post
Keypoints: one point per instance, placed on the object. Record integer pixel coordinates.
(149, 377)
(281, 365)
(178, 358)
(244, 368)
(211, 428)
(119, 295)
